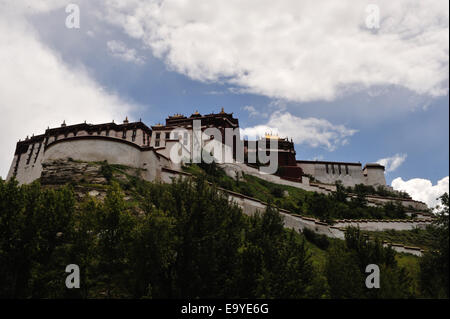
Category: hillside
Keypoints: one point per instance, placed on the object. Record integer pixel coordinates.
(137, 239)
(327, 208)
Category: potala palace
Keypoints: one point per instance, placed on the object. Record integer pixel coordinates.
(149, 148)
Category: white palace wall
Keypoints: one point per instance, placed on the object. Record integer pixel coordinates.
(113, 151)
(320, 173)
(349, 174)
(29, 167)
(93, 148)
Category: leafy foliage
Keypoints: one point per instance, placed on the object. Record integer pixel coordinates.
(180, 240)
(345, 269)
(417, 237)
(434, 265)
(183, 240)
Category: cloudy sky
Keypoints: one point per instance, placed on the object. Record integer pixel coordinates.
(347, 80)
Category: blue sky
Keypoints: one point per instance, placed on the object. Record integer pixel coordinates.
(364, 96)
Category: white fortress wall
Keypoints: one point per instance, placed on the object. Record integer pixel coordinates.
(27, 162)
(165, 150)
(29, 167)
(349, 173)
(152, 164)
(407, 203)
(374, 175)
(93, 150)
(307, 168)
(114, 151)
(384, 224)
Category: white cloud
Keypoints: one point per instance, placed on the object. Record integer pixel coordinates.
(296, 50)
(37, 89)
(311, 131)
(393, 162)
(252, 112)
(28, 7)
(120, 50)
(422, 189)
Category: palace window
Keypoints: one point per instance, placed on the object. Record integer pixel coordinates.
(346, 169)
(332, 168)
(158, 135)
(339, 167)
(167, 135)
(326, 168)
(156, 143)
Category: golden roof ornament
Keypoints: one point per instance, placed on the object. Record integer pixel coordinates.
(269, 135)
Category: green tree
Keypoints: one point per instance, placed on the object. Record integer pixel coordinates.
(346, 265)
(344, 277)
(434, 266)
(114, 231)
(153, 254)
